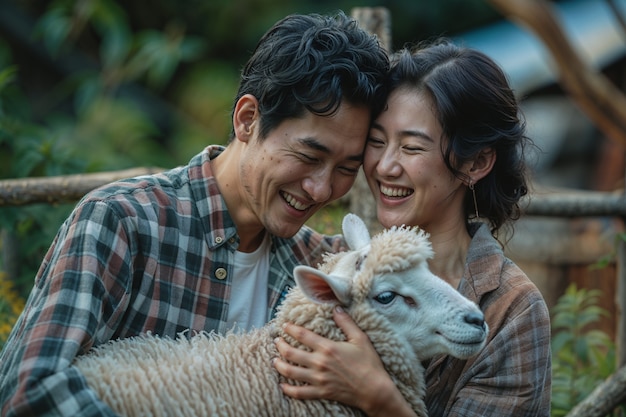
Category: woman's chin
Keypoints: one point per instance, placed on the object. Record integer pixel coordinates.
(392, 218)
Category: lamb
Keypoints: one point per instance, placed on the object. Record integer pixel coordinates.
(383, 283)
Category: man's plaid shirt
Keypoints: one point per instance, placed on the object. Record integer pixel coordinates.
(153, 253)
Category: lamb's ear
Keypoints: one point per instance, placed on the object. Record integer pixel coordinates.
(322, 288)
(355, 232)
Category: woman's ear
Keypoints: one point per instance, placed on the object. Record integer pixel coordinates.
(245, 117)
(482, 164)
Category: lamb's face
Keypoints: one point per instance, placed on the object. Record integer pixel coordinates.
(389, 275)
(429, 313)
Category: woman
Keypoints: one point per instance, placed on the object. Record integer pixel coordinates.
(447, 155)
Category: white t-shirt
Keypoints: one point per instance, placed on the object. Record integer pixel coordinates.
(248, 305)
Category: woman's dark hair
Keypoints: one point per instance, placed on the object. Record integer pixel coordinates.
(312, 62)
(477, 109)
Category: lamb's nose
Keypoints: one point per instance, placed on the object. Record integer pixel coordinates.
(475, 318)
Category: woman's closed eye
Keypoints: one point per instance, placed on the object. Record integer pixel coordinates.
(375, 142)
(413, 148)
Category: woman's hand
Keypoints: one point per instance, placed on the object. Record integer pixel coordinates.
(349, 372)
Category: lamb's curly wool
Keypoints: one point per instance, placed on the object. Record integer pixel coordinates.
(232, 375)
(204, 375)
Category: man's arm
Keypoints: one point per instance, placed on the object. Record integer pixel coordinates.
(61, 319)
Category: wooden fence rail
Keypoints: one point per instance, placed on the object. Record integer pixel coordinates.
(69, 188)
(61, 189)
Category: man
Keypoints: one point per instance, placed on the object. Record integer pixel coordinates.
(211, 245)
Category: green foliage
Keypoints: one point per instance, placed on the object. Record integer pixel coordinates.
(28, 149)
(91, 120)
(582, 357)
(109, 113)
(328, 220)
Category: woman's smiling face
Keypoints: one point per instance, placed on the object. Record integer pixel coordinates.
(404, 165)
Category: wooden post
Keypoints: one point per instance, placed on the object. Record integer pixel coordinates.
(377, 21)
(619, 302)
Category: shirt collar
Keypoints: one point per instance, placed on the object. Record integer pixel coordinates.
(219, 226)
(485, 260)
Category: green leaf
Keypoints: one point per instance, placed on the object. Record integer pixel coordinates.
(86, 94)
(560, 340)
(583, 356)
(115, 47)
(191, 48)
(53, 29)
(7, 76)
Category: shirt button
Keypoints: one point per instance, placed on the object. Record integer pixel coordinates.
(219, 239)
(220, 273)
(231, 240)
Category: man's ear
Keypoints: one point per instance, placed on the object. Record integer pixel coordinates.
(482, 164)
(245, 117)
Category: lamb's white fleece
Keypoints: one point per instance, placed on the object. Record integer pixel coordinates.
(231, 375)
(210, 375)
(205, 375)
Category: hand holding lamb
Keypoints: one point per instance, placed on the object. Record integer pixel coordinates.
(384, 284)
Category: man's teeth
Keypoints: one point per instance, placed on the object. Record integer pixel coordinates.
(394, 192)
(294, 203)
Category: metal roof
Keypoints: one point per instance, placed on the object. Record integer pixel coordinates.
(590, 25)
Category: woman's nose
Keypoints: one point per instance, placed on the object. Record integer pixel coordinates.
(388, 164)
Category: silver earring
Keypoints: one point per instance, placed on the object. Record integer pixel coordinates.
(471, 187)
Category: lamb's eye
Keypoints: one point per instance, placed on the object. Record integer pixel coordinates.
(385, 297)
